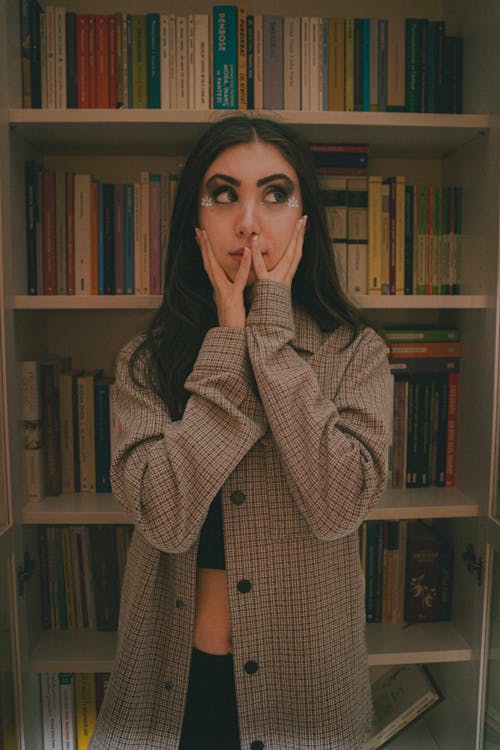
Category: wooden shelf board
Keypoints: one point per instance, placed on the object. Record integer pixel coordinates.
(416, 644)
(89, 508)
(139, 302)
(174, 131)
(425, 502)
(89, 651)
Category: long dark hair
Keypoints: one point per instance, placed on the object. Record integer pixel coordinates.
(173, 338)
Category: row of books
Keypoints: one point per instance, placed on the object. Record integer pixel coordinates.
(408, 569)
(84, 236)
(81, 572)
(70, 703)
(231, 59)
(393, 237)
(425, 406)
(69, 428)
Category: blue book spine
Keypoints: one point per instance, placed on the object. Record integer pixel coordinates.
(153, 29)
(225, 61)
(100, 238)
(102, 436)
(128, 237)
(365, 94)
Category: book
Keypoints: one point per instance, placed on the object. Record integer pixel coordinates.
(85, 707)
(66, 690)
(34, 453)
(273, 62)
(51, 711)
(400, 696)
(429, 575)
(225, 56)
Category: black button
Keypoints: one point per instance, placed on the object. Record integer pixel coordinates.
(179, 604)
(251, 667)
(238, 497)
(167, 685)
(244, 586)
(257, 745)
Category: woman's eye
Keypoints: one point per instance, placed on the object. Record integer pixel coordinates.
(276, 195)
(225, 195)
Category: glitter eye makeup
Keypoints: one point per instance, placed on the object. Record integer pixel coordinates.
(292, 202)
(207, 201)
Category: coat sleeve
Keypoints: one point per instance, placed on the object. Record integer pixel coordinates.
(334, 450)
(166, 473)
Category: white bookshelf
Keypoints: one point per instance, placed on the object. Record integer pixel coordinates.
(458, 149)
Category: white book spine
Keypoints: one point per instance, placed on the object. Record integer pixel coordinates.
(164, 79)
(67, 697)
(357, 267)
(182, 62)
(60, 57)
(83, 241)
(190, 60)
(51, 711)
(305, 64)
(201, 61)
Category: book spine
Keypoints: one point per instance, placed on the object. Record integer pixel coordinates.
(153, 61)
(242, 58)
(86, 432)
(60, 232)
(451, 434)
(155, 218)
(128, 238)
(250, 62)
(60, 57)
(172, 61)
(82, 234)
(69, 582)
(66, 691)
(336, 69)
(273, 62)
(291, 63)
(102, 61)
(400, 235)
(314, 64)
(201, 61)
(67, 427)
(409, 231)
(139, 71)
(182, 91)
(85, 708)
(382, 64)
(31, 238)
(51, 711)
(49, 373)
(102, 436)
(164, 53)
(118, 248)
(115, 60)
(49, 232)
(137, 239)
(108, 199)
(374, 235)
(145, 239)
(349, 64)
(225, 61)
(258, 62)
(305, 67)
(396, 55)
(190, 60)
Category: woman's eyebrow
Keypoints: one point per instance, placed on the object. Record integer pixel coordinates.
(262, 181)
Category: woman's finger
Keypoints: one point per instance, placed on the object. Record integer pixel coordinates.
(258, 260)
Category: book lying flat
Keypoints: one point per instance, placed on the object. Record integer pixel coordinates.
(400, 696)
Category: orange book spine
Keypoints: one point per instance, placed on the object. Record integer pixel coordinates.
(426, 349)
(102, 61)
(113, 61)
(82, 61)
(92, 63)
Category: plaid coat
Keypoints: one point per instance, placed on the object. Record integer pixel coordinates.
(292, 424)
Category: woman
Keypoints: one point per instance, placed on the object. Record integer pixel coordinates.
(254, 428)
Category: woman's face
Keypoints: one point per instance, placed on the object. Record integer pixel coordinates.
(249, 189)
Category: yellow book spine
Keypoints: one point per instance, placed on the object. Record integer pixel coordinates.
(400, 235)
(85, 705)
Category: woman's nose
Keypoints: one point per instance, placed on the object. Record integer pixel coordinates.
(248, 223)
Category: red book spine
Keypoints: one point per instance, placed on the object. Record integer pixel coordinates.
(49, 233)
(112, 62)
(102, 61)
(70, 232)
(82, 61)
(92, 63)
(451, 433)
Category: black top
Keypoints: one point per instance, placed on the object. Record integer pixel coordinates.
(211, 547)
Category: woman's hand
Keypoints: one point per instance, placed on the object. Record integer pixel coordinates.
(284, 270)
(228, 295)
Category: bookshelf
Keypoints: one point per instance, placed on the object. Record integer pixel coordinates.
(462, 149)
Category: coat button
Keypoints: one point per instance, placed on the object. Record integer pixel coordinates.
(257, 745)
(251, 667)
(238, 497)
(167, 685)
(244, 586)
(179, 603)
